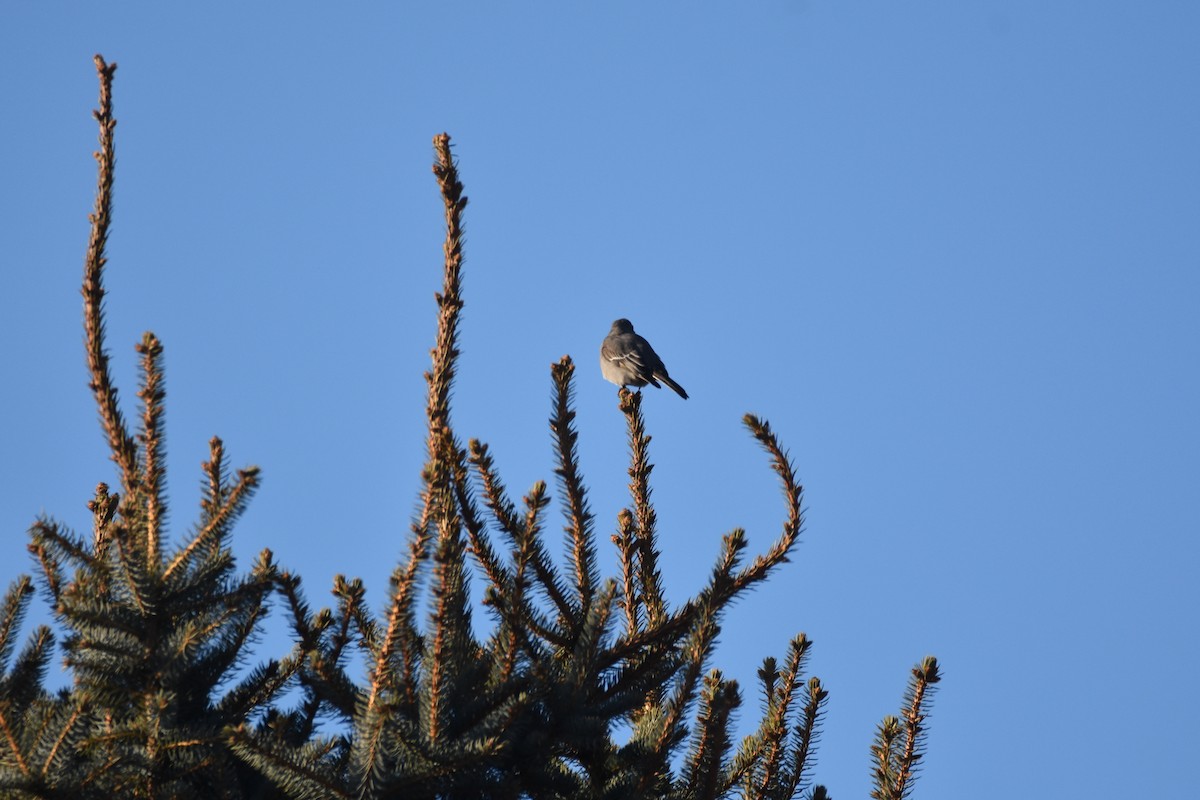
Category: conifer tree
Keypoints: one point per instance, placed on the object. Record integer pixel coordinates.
(572, 660)
(152, 632)
(584, 686)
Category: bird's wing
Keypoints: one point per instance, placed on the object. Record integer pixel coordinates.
(618, 353)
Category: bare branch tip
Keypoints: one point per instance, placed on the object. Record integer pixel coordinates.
(629, 402)
(757, 425)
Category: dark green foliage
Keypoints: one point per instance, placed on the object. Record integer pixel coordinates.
(40, 731)
(583, 687)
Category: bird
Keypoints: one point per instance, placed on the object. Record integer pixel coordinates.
(627, 359)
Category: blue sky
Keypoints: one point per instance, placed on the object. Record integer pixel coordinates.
(949, 250)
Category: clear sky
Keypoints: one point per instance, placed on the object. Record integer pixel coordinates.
(950, 250)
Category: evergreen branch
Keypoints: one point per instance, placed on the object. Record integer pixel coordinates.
(886, 757)
(12, 612)
(506, 593)
(202, 588)
(793, 492)
(68, 734)
(702, 774)
(10, 738)
(494, 494)
(487, 715)
(703, 622)
(899, 745)
(526, 543)
(215, 528)
(341, 638)
(526, 615)
(780, 691)
(481, 547)
(299, 776)
(188, 744)
(324, 678)
(671, 728)
(715, 596)
(24, 684)
(368, 749)
(626, 542)
(741, 770)
(507, 638)
(124, 449)
(924, 677)
(50, 570)
(244, 607)
(437, 476)
(522, 626)
(647, 674)
(665, 634)
(458, 764)
(592, 632)
(696, 652)
(332, 688)
(507, 650)
(580, 536)
(452, 615)
(401, 632)
(351, 605)
(806, 735)
(132, 570)
(531, 551)
(639, 487)
(449, 300)
(103, 506)
(308, 630)
(95, 742)
(214, 471)
(648, 773)
(450, 653)
(703, 636)
(260, 686)
(152, 395)
(437, 506)
(48, 536)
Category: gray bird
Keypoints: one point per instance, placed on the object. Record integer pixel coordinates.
(627, 359)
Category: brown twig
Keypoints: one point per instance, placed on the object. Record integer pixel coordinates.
(123, 446)
(639, 487)
(793, 492)
(231, 506)
(579, 530)
(103, 507)
(924, 676)
(152, 395)
(626, 542)
(449, 300)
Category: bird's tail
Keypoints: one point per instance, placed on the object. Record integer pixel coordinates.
(667, 380)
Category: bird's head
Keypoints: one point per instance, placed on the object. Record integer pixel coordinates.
(622, 326)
